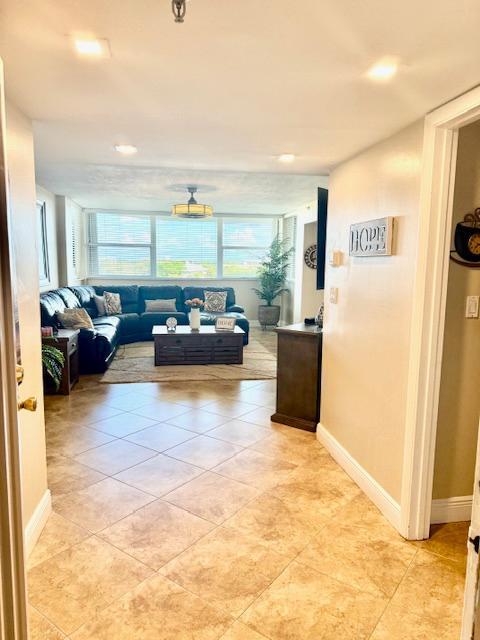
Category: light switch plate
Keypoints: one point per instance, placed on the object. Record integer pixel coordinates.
(472, 307)
(333, 295)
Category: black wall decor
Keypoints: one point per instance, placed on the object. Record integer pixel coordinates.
(321, 236)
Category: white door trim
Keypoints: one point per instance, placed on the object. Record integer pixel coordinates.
(429, 302)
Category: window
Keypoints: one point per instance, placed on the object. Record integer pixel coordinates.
(159, 247)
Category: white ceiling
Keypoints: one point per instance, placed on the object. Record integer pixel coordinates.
(238, 83)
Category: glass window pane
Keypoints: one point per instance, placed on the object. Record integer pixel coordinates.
(248, 233)
(186, 248)
(242, 263)
(123, 228)
(121, 261)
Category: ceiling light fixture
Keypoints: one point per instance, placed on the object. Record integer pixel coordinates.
(179, 8)
(384, 69)
(286, 157)
(91, 47)
(126, 149)
(192, 209)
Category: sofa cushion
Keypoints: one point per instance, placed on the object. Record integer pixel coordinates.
(149, 319)
(129, 324)
(164, 292)
(51, 304)
(70, 299)
(107, 321)
(85, 294)
(199, 292)
(128, 295)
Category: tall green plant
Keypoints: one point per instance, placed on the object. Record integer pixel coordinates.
(53, 361)
(272, 273)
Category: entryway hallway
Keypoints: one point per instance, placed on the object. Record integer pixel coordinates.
(181, 511)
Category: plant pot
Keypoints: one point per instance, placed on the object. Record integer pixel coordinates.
(194, 319)
(268, 315)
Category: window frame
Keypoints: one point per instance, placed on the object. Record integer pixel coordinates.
(92, 243)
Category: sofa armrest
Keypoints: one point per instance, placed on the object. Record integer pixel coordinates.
(235, 308)
(87, 334)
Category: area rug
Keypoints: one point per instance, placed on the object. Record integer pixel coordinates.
(134, 363)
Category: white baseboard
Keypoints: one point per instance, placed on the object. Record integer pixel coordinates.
(36, 523)
(456, 509)
(377, 494)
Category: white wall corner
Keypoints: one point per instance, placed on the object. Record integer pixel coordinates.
(37, 522)
(455, 509)
(389, 507)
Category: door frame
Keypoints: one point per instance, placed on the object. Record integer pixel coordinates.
(429, 306)
(13, 595)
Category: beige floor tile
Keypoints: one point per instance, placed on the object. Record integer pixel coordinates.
(432, 587)
(73, 585)
(229, 408)
(190, 399)
(204, 452)
(128, 401)
(239, 432)
(124, 424)
(227, 569)
(161, 437)
(156, 533)
(281, 526)
(40, 628)
(87, 413)
(157, 609)
(159, 475)
(259, 416)
(73, 442)
(321, 494)
(447, 540)
(212, 496)
(299, 448)
(359, 557)
(198, 420)
(239, 631)
(161, 411)
(115, 456)
(65, 475)
(256, 469)
(255, 396)
(102, 504)
(57, 535)
(361, 512)
(304, 604)
(401, 624)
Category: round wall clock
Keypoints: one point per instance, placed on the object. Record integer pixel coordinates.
(310, 256)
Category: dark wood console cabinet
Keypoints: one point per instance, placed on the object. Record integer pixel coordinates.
(299, 371)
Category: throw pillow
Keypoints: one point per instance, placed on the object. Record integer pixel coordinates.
(161, 305)
(100, 304)
(75, 319)
(113, 306)
(215, 301)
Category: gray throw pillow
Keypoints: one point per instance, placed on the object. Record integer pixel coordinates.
(161, 305)
(100, 304)
(215, 301)
(113, 306)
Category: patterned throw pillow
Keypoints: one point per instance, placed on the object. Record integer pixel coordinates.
(215, 301)
(113, 306)
(161, 305)
(75, 319)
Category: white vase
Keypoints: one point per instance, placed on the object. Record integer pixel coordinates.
(195, 319)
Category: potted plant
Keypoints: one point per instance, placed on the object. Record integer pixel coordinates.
(272, 275)
(195, 305)
(52, 363)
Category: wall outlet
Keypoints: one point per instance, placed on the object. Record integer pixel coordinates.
(335, 258)
(333, 295)
(471, 308)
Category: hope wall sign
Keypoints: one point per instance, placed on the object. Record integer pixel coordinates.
(372, 238)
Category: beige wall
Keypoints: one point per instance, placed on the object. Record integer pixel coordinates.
(366, 335)
(22, 201)
(459, 406)
(51, 218)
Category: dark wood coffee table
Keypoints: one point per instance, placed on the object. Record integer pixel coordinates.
(206, 346)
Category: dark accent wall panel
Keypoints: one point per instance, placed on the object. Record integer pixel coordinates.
(321, 236)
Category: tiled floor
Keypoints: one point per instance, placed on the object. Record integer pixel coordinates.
(184, 513)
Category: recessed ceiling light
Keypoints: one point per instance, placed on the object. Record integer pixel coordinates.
(126, 149)
(384, 69)
(89, 46)
(286, 157)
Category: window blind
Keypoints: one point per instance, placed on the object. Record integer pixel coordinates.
(186, 248)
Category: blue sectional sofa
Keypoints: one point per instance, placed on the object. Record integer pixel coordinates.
(97, 346)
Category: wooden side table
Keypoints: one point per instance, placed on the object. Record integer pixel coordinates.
(66, 341)
(299, 372)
